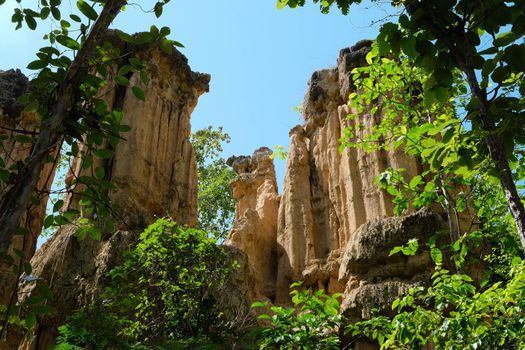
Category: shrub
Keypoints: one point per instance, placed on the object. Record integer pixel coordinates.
(160, 296)
(454, 313)
(312, 323)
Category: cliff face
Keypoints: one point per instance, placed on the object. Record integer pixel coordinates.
(334, 227)
(15, 128)
(331, 227)
(327, 195)
(154, 171)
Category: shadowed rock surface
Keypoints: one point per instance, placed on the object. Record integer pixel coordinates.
(17, 127)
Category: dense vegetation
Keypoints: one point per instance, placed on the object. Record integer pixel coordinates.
(163, 295)
(449, 78)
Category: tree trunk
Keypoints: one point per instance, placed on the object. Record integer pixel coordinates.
(459, 46)
(497, 153)
(15, 201)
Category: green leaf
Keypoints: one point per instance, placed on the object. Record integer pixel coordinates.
(36, 65)
(99, 172)
(167, 46)
(87, 10)
(408, 44)
(68, 42)
(27, 268)
(142, 38)
(4, 175)
(504, 39)
(103, 153)
(436, 255)
(56, 13)
(416, 180)
(23, 139)
(139, 93)
(30, 21)
(95, 234)
(395, 250)
(259, 304)
(75, 18)
(121, 80)
(124, 36)
(411, 248)
(45, 291)
(281, 4)
(158, 9)
(30, 320)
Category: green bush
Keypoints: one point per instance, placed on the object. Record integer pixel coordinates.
(161, 296)
(312, 323)
(454, 313)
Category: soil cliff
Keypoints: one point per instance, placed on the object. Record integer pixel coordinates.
(331, 227)
(155, 174)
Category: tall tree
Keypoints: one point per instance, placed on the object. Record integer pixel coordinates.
(444, 36)
(215, 200)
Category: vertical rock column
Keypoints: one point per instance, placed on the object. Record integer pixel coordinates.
(155, 174)
(255, 228)
(154, 167)
(327, 195)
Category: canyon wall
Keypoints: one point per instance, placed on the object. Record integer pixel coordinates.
(333, 228)
(155, 174)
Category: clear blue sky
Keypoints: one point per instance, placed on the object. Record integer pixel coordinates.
(260, 58)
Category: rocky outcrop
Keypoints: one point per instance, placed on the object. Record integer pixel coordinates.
(154, 168)
(255, 228)
(155, 174)
(328, 195)
(17, 129)
(334, 228)
(373, 278)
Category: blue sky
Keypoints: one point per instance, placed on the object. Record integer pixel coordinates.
(260, 58)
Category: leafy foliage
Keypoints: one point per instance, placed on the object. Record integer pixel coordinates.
(215, 200)
(160, 296)
(312, 323)
(454, 313)
(279, 153)
(64, 94)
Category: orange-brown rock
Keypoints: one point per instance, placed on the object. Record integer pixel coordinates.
(327, 194)
(154, 168)
(255, 228)
(334, 228)
(154, 171)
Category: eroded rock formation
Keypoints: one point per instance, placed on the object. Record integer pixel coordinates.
(334, 227)
(334, 192)
(255, 228)
(16, 130)
(331, 227)
(154, 170)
